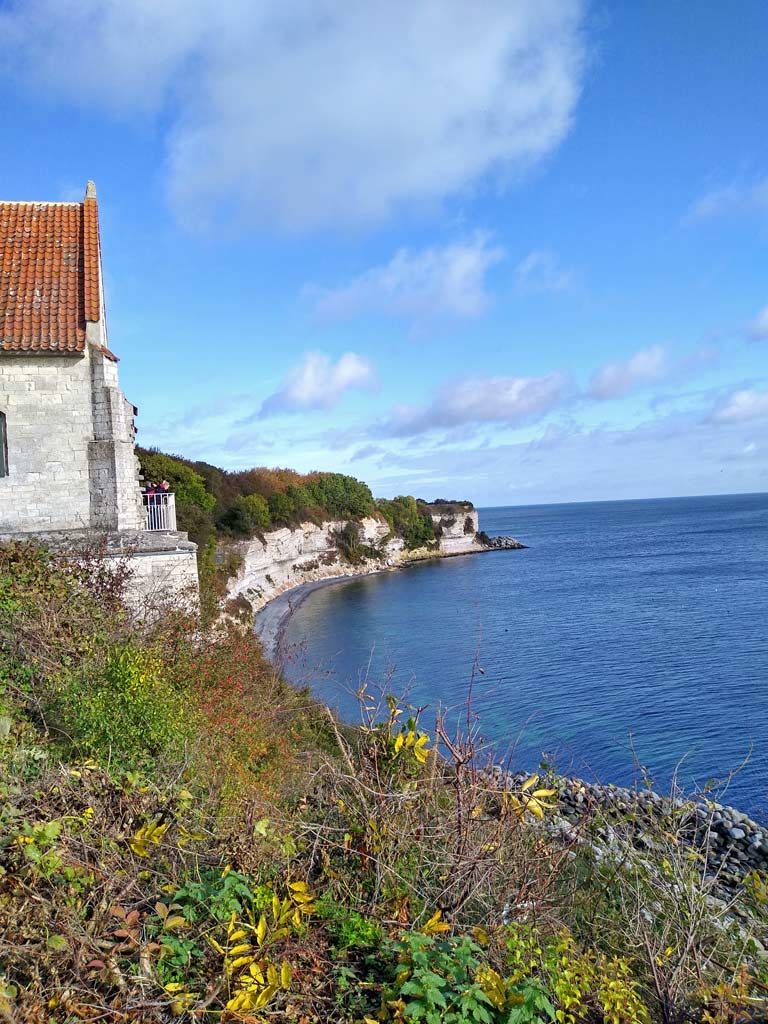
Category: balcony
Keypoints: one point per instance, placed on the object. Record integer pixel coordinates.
(159, 511)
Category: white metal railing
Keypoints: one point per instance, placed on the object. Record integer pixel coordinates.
(160, 511)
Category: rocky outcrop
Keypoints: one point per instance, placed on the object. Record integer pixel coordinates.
(500, 543)
(457, 531)
(282, 559)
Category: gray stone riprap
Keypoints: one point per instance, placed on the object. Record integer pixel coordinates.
(731, 843)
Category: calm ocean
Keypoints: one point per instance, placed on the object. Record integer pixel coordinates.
(629, 632)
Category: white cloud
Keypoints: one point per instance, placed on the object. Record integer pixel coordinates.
(615, 379)
(734, 199)
(315, 113)
(508, 400)
(444, 280)
(758, 328)
(743, 405)
(318, 383)
(541, 271)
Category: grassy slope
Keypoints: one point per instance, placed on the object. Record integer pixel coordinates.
(183, 834)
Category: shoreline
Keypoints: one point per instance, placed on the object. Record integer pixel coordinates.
(271, 620)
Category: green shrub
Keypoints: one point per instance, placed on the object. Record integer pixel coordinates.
(281, 508)
(409, 520)
(436, 980)
(343, 497)
(122, 709)
(347, 928)
(248, 514)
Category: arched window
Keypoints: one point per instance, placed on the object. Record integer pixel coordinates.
(3, 447)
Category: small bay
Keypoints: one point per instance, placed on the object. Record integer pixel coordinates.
(631, 632)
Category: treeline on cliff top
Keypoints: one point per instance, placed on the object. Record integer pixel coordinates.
(212, 501)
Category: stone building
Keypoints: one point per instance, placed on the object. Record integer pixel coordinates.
(68, 469)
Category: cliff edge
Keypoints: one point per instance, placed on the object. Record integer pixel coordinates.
(279, 560)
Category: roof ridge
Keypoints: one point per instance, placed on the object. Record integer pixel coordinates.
(41, 202)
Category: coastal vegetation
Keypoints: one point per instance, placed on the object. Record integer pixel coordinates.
(243, 503)
(216, 506)
(185, 836)
(210, 500)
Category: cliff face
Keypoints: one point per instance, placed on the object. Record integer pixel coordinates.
(458, 532)
(286, 558)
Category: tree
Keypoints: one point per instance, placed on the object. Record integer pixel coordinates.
(187, 485)
(248, 514)
(408, 520)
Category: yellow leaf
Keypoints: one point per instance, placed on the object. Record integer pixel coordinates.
(435, 924)
(531, 781)
(265, 997)
(399, 743)
(242, 961)
(261, 930)
(303, 897)
(286, 975)
(272, 976)
(244, 947)
(298, 887)
(420, 754)
(216, 946)
(239, 934)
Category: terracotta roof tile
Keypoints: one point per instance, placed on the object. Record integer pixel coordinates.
(49, 275)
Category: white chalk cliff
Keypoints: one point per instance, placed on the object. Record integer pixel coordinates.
(286, 558)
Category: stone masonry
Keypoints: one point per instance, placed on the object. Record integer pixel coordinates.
(71, 475)
(71, 463)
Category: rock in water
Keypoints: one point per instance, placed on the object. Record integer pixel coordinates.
(499, 543)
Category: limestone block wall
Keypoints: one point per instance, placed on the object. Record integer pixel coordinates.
(163, 577)
(115, 495)
(47, 404)
(71, 461)
(162, 565)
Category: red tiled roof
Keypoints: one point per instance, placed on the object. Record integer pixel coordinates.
(49, 275)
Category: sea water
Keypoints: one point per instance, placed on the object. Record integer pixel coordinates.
(630, 637)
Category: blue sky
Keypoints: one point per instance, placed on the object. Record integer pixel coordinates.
(509, 251)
